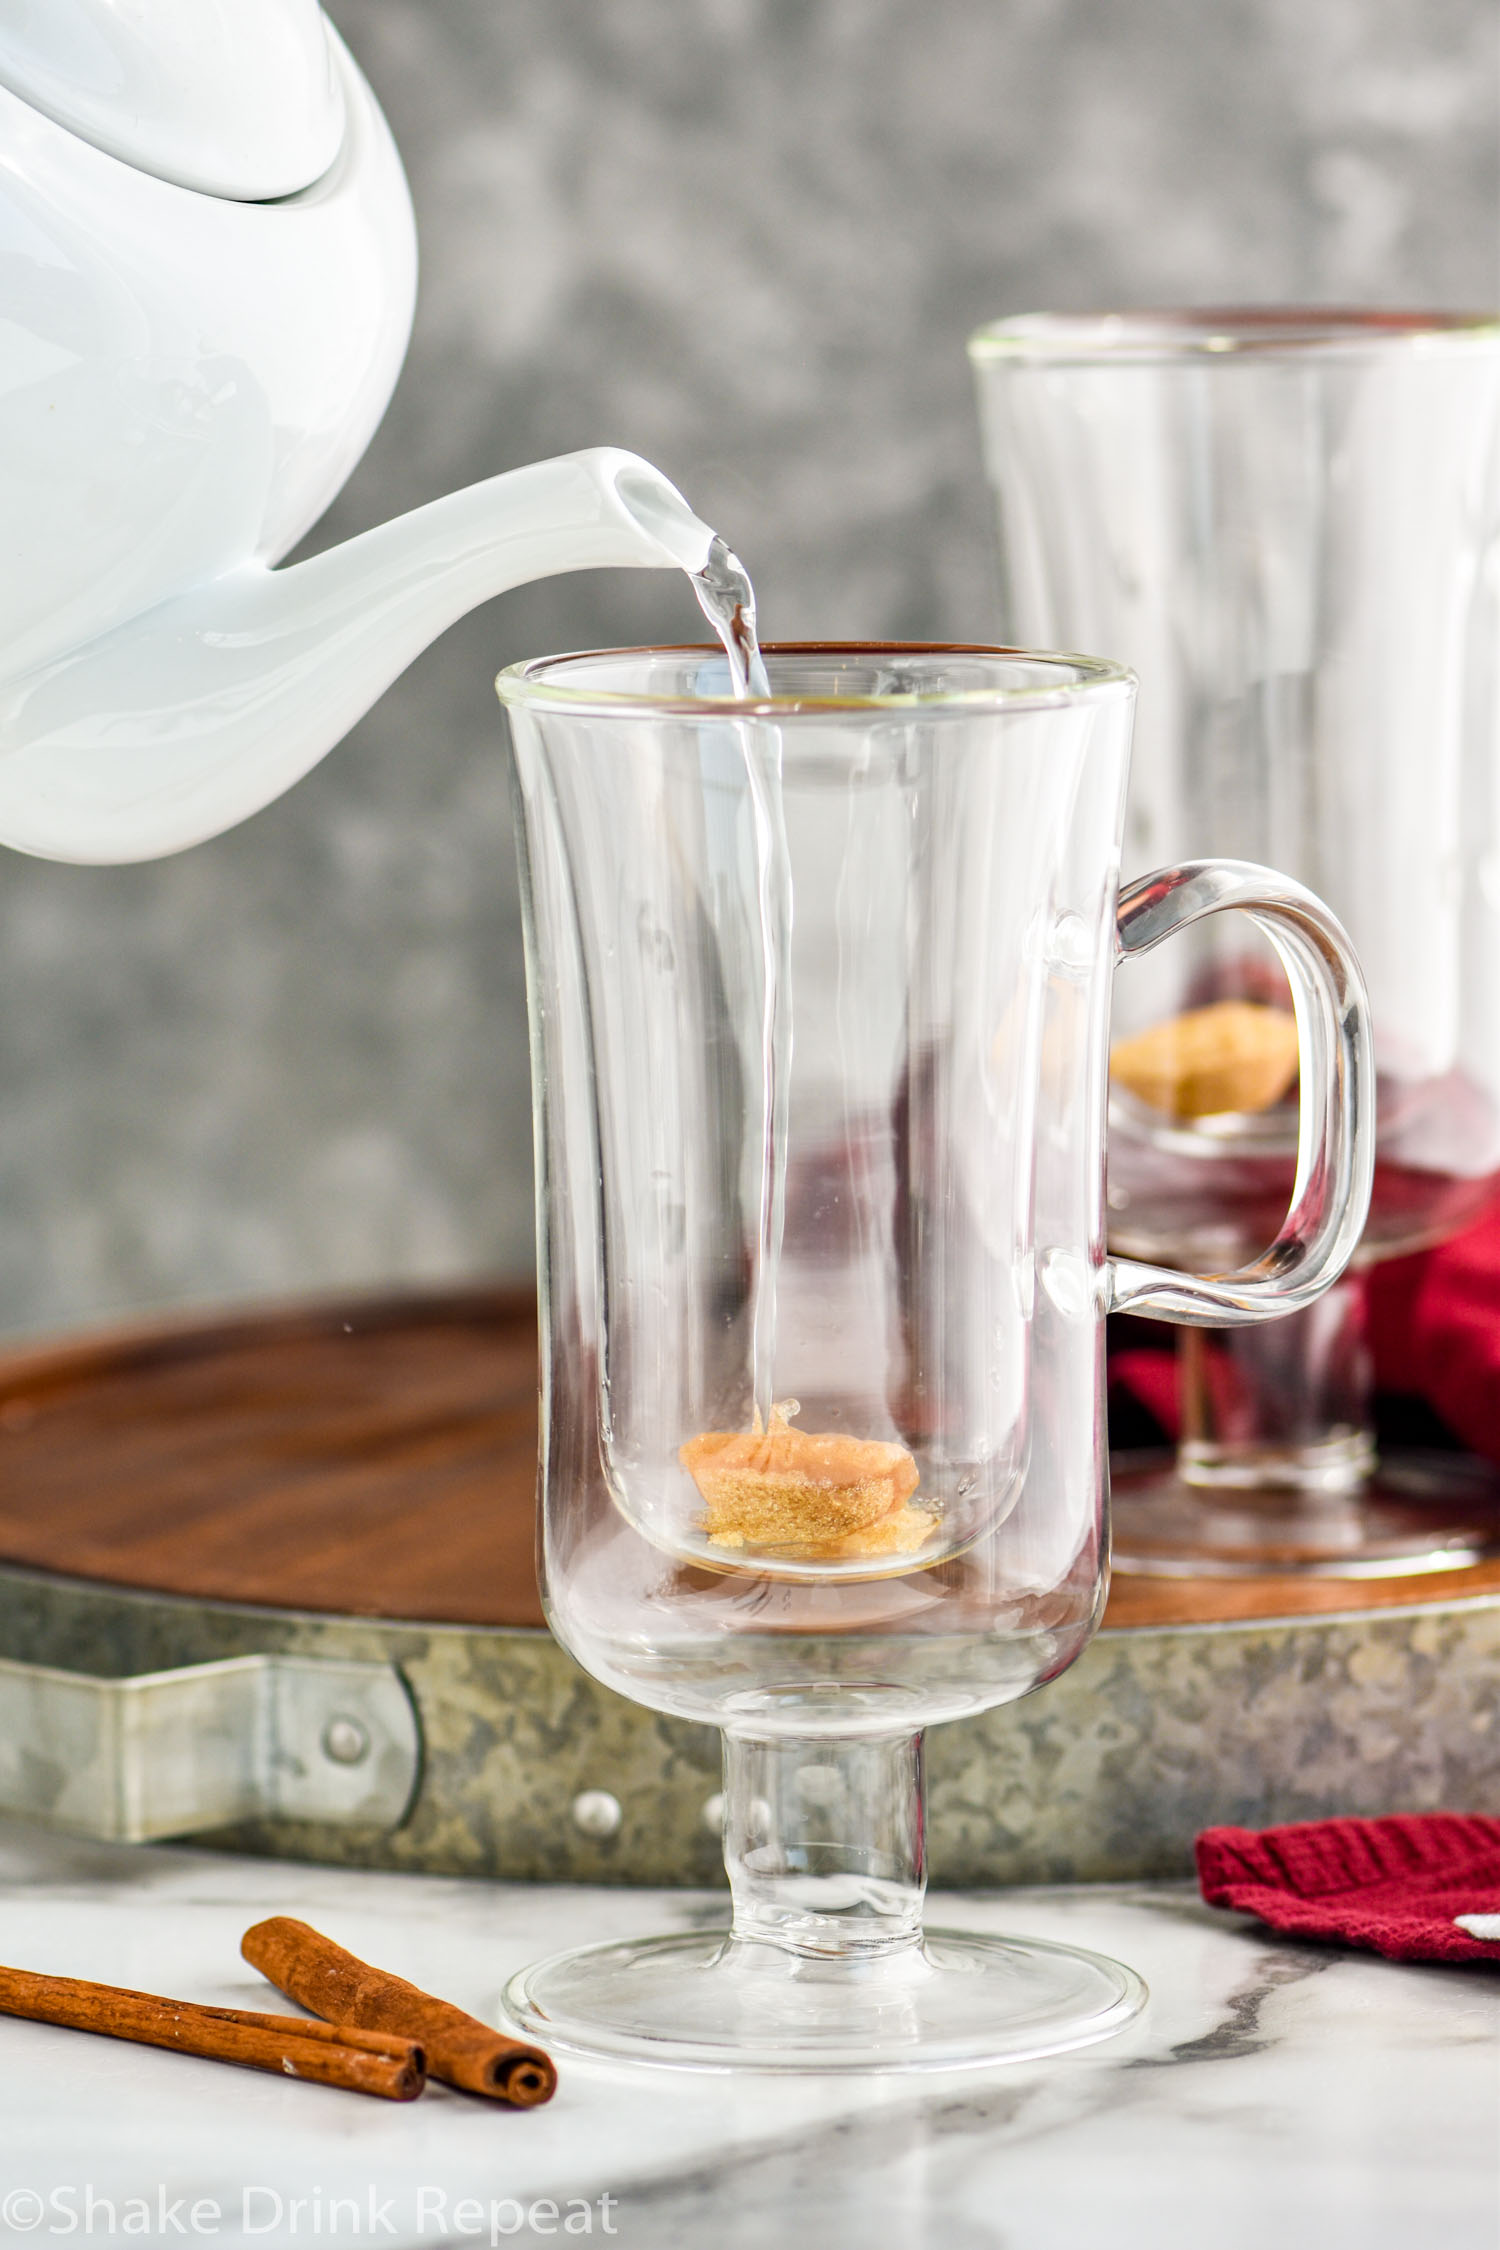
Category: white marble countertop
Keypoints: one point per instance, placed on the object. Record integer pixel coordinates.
(1273, 2095)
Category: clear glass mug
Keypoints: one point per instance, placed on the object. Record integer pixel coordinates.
(820, 1001)
(1288, 522)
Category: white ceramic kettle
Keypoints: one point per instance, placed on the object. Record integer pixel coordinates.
(207, 269)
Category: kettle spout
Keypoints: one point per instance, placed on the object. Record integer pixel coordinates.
(187, 719)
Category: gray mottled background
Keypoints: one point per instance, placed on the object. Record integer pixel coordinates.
(746, 238)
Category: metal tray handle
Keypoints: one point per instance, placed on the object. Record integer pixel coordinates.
(172, 1753)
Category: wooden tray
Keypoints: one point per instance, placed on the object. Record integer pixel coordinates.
(374, 1459)
(360, 1476)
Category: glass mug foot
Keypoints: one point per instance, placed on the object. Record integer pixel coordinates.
(1415, 1513)
(706, 2001)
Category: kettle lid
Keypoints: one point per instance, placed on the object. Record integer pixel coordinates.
(236, 98)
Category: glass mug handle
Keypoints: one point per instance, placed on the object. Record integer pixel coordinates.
(1336, 1136)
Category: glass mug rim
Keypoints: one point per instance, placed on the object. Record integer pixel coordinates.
(535, 685)
(1215, 331)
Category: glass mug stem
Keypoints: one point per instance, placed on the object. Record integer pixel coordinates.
(1336, 1139)
(1281, 1408)
(824, 1843)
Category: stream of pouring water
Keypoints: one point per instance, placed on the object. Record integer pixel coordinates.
(727, 600)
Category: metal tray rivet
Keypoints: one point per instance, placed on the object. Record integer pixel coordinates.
(345, 1741)
(596, 1812)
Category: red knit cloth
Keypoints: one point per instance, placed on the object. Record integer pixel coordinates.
(1433, 1323)
(1433, 1326)
(1388, 1886)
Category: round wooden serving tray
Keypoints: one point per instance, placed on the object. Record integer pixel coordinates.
(373, 1459)
(358, 1478)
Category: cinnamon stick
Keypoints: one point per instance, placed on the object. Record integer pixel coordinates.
(326, 2054)
(310, 1969)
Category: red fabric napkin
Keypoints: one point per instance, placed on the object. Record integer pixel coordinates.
(1389, 1886)
(1433, 1325)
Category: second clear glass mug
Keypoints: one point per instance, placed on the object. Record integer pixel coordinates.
(1288, 521)
(820, 1001)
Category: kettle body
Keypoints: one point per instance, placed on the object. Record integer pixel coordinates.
(192, 358)
(186, 379)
